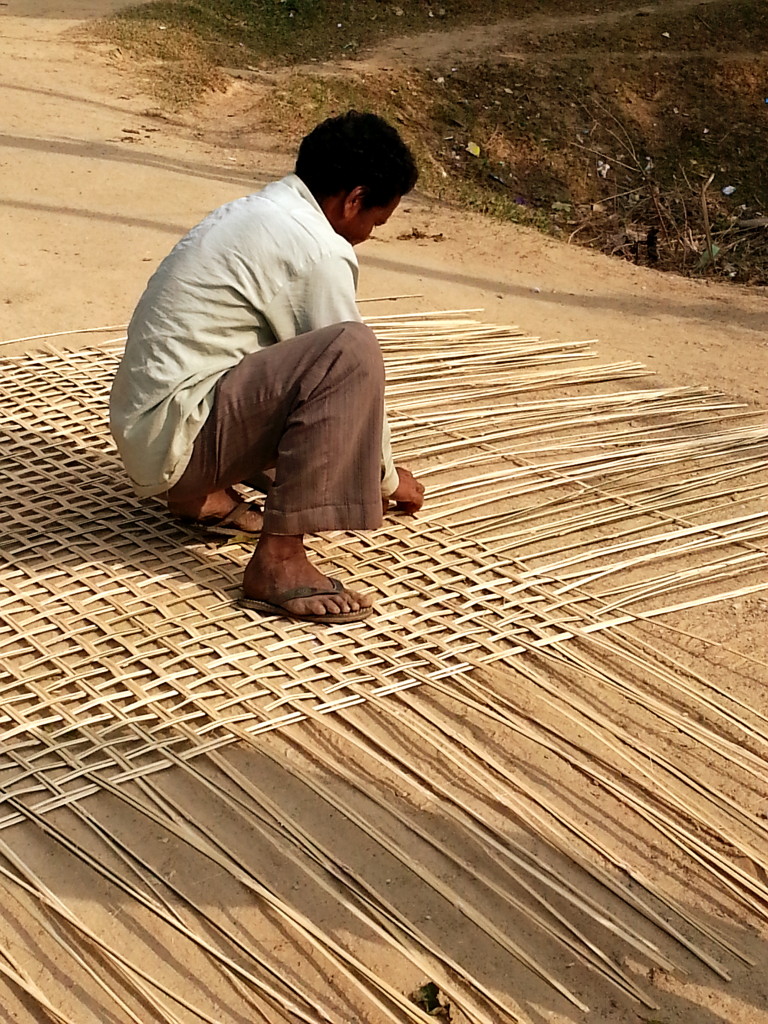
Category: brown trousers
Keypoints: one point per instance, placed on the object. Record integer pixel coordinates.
(311, 409)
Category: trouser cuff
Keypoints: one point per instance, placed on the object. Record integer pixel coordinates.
(323, 519)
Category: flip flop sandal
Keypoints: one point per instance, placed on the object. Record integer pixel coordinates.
(228, 525)
(278, 607)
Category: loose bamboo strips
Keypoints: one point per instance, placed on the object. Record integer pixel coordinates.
(26, 881)
(389, 753)
(197, 939)
(275, 816)
(151, 882)
(279, 816)
(500, 844)
(10, 969)
(731, 875)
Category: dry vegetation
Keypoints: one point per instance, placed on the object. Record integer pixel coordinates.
(644, 138)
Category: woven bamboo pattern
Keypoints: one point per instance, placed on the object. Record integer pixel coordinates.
(528, 618)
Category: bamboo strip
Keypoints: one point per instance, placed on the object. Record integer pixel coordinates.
(62, 334)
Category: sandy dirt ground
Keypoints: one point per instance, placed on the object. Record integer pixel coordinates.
(96, 187)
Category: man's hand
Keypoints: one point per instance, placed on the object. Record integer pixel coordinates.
(409, 494)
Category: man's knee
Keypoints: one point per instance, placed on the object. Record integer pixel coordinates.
(360, 345)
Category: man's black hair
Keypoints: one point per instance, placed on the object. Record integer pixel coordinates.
(354, 150)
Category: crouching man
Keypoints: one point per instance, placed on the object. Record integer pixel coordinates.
(205, 398)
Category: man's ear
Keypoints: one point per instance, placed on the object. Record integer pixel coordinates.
(354, 201)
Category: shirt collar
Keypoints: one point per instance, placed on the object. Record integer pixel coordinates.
(294, 182)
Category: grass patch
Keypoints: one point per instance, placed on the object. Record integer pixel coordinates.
(727, 27)
(239, 33)
(175, 65)
(601, 151)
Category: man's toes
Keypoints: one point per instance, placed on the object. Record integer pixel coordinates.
(343, 602)
(311, 606)
(330, 605)
(248, 519)
(356, 601)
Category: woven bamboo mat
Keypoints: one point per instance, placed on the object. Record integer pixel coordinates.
(573, 509)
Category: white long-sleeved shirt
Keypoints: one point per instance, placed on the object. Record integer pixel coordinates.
(256, 271)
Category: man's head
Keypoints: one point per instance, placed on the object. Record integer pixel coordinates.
(357, 167)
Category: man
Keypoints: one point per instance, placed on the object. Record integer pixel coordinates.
(205, 399)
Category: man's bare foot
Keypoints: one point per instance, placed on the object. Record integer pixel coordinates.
(213, 508)
(279, 565)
